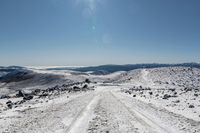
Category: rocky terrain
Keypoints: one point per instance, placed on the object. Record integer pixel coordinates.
(159, 100)
(176, 89)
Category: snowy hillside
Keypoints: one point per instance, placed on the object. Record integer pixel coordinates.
(17, 78)
(168, 77)
(176, 88)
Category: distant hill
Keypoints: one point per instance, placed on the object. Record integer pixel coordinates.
(106, 69)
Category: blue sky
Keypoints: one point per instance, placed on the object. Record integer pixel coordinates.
(94, 32)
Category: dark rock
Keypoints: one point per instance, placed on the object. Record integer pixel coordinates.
(8, 102)
(37, 91)
(150, 93)
(177, 101)
(134, 95)
(22, 101)
(85, 86)
(28, 97)
(10, 105)
(4, 96)
(196, 95)
(166, 96)
(76, 88)
(129, 92)
(43, 95)
(172, 89)
(191, 106)
(187, 89)
(20, 94)
(87, 81)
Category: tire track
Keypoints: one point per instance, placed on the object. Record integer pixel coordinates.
(81, 122)
(40, 120)
(144, 120)
(114, 117)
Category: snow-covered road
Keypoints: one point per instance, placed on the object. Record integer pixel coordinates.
(104, 110)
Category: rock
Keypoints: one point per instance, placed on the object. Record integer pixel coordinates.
(129, 92)
(22, 101)
(196, 95)
(85, 86)
(172, 89)
(191, 106)
(10, 105)
(4, 96)
(76, 88)
(177, 101)
(8, 102)
(166, 96)
(20, 94)
(28, 97)
(150, 93)
(43, 95)
(134, 95)
(87, 81)
(37, 91)
(187, 89)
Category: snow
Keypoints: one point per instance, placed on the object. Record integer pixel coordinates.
(83, 120)
(108, 108)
